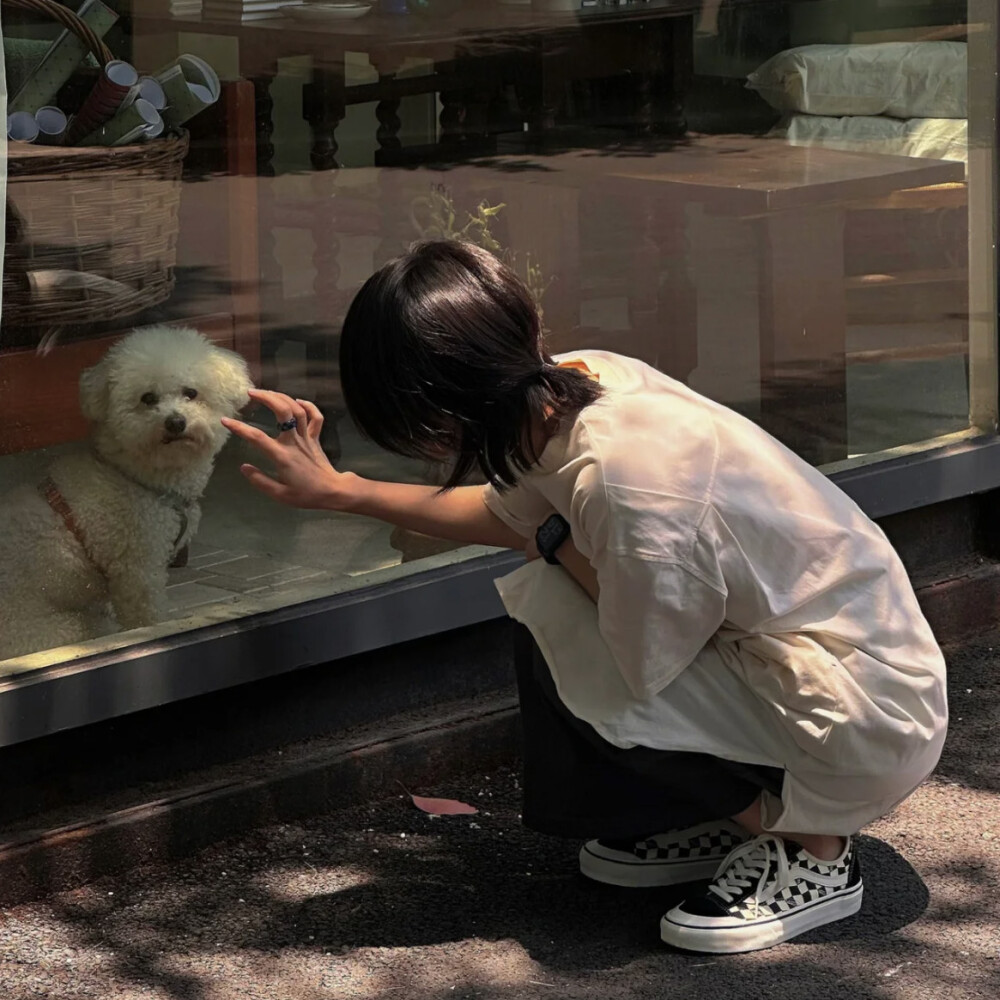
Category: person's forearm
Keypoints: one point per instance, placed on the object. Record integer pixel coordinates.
(459, 514)
(574, 562)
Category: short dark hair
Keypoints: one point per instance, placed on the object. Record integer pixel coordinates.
(441, 352)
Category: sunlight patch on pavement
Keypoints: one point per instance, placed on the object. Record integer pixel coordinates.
(298, 884)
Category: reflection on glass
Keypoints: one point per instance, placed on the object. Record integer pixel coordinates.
(767, 200)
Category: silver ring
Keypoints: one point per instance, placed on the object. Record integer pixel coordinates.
(288, 425)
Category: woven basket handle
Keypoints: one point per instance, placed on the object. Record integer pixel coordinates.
(69, 20)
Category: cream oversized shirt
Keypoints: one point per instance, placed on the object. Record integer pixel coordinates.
(748, 608)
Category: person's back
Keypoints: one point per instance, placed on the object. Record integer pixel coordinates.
(718, 549)
(690, 481)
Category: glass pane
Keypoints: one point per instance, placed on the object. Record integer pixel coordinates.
(787, 205)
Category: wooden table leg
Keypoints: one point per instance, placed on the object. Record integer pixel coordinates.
(323, 108)
(803, 326)
(389, 123)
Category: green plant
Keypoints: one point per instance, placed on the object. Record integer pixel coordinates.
(537, 285)
(439, 217)
(435, 216)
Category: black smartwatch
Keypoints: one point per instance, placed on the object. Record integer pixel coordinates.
(551, 533)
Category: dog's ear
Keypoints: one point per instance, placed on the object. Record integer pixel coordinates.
(94, 391)
(232, 379)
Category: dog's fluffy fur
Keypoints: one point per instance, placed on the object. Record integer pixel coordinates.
(154, 402)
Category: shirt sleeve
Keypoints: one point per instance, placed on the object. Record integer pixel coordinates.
(655, 617)
(662, 594)
(521, 507)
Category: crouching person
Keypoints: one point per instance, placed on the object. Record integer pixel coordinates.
(724, 671)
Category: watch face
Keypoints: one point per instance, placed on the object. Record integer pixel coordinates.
(552, 533)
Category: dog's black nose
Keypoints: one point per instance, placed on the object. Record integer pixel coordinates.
(175, 424)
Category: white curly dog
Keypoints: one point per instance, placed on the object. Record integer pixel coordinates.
(85, 551)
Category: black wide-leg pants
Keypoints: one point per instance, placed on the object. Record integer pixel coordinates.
(576, 784)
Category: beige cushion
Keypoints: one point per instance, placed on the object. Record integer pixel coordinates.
(900, 79)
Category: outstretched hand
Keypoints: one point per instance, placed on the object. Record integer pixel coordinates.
(302, 475)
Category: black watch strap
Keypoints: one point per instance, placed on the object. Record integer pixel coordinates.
(551, 534)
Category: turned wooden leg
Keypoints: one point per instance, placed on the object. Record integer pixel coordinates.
(389, 124)
(452, 117)
(323, 108)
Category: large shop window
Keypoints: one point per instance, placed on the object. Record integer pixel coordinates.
(787, 205)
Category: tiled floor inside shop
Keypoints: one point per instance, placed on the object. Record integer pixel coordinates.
(215, 574)
(249, 545)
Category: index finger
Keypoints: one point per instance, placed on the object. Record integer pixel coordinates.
(277, 402)
(253, 435)
(264, 483)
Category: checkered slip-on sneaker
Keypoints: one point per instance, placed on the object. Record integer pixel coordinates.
(666, 859)
(767, 891)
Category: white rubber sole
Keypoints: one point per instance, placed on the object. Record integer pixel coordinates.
(711, 935)
(645, 874)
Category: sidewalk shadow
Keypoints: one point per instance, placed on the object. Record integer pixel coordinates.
(389, 879)
(969, 757)
(458, 891)
(895, 896)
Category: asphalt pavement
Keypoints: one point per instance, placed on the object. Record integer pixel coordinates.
(382, 900)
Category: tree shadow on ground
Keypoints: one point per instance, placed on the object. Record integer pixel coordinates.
(458, 888)
(390, 881)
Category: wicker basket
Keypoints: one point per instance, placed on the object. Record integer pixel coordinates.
(106, 214)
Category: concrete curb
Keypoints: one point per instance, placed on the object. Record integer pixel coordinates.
(43, 862)
(962, 606)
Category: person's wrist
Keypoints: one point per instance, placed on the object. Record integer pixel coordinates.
(348, 493)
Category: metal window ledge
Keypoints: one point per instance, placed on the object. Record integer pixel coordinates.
(969, 465)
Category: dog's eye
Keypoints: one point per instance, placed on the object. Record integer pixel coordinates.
(190, 393)
(149, 399)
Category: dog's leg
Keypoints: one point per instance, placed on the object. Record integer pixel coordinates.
(138, 598)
